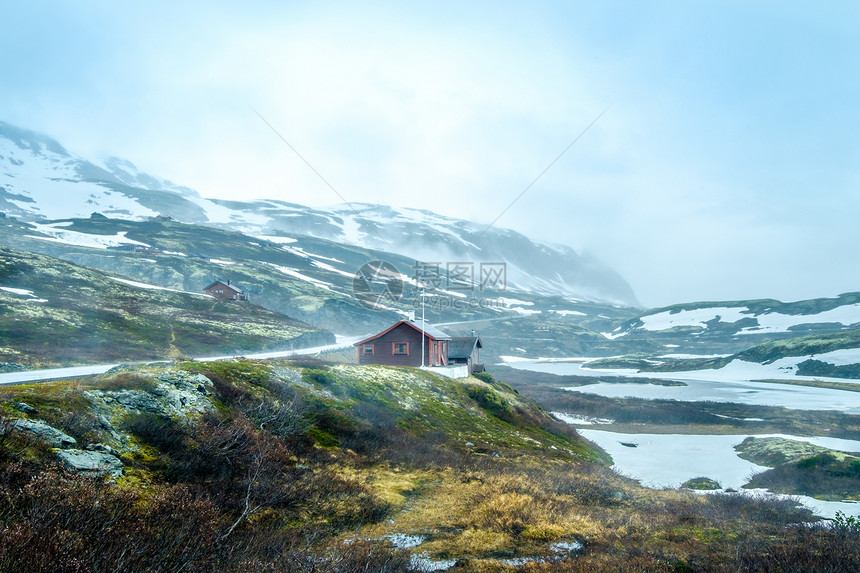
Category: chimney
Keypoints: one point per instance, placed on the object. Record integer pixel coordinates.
(411, 316)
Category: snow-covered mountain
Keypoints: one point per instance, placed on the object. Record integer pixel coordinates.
(40, 179)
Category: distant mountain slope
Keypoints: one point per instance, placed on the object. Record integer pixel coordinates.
(762, 338)
(745, 318)
(41, 180)
(53, 312)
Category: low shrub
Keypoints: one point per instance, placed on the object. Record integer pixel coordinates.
(489, 399)
(801, 548)
(484, 376)
(317, 376)
(846, 524)
(824, 474)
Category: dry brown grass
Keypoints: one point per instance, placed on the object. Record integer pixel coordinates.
(482, 514)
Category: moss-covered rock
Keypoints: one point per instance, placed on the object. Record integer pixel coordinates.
(772, 452)
(702, 484)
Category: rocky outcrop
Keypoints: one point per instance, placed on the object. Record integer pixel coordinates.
(42, 431)
(91, 463)
(174, 393)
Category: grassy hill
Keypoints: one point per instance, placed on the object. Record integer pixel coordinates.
(283, 466)
(56, 313)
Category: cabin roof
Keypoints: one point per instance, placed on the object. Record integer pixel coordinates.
(429, 330)
(463, 346)
(235, 289)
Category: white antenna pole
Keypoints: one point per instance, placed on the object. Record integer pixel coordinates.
(422, 329)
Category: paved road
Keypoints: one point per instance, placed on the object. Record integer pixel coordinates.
(53, 374)
(27, 376)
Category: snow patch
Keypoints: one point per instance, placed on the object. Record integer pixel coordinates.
(18, 291)
(524, 311)
(78, 239)
(580, 420)
(276, 239)
(839, 357)
(23, 292)
(570, 313)
(515, 301)
(693, 356)
(296, 274)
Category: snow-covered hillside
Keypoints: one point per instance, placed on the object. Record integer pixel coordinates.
(41, 180)
(745, 319)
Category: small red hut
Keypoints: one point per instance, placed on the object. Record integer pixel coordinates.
(225, 291)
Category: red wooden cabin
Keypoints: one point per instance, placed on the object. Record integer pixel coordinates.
(400, 345)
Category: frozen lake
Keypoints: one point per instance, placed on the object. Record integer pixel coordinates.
(668, 460)
(731, 384)
(753, 393)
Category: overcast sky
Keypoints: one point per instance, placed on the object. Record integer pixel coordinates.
(726, 164)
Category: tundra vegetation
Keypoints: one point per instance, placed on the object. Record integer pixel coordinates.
(305, 466)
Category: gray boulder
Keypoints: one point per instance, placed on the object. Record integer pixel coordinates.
(54, 437)
(26, 408)
(89, 463)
